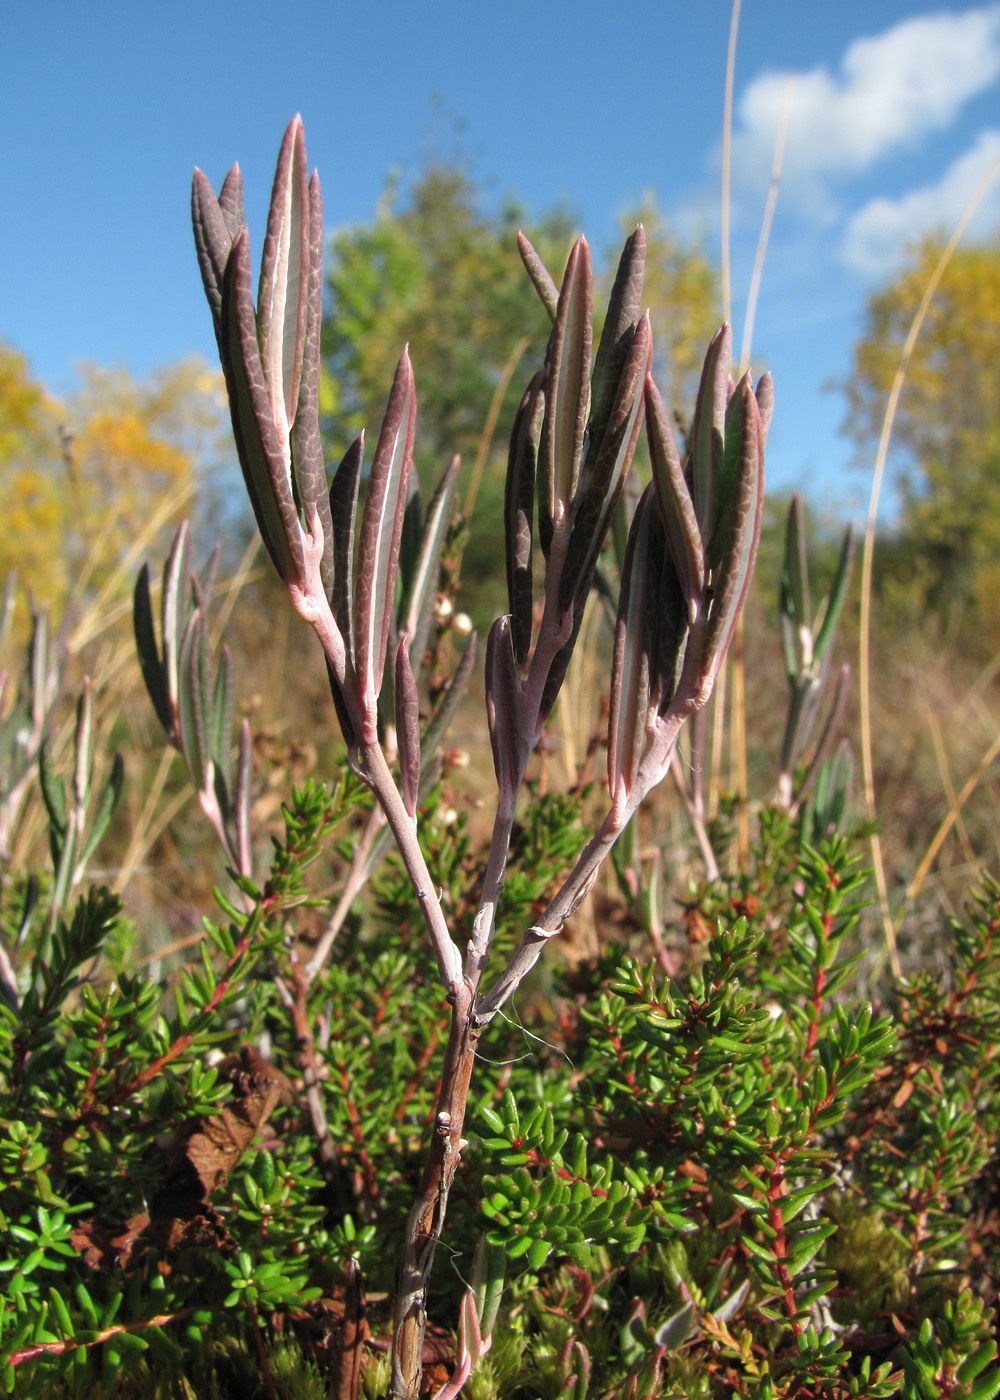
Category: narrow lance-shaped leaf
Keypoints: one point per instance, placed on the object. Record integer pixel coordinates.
(381, 528)
(449, 702)
(172, 618)
(707, 430)
(83, 765)
(213, 239)
(149, 656)
(407, 727)
(796, 608)
(567, 406)
(103, 812)
(602, 483)
(502, 709)
(54, 796)
(630, 667)
(624, 313)
(307, 444)
(421, 585)
(222, 716)
(765, 404)
(541, 279)
(282, 296)
(737, 533)
(519, 492)
(343, 515)
(676, 505)
(193, 702)
(263, 459)
(838, 593)
(670, 628)
(241, 800)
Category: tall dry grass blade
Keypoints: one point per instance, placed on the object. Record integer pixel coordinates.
(941, 835)
(878, 472)
(765, 226)
(941, 755)
(727, 151)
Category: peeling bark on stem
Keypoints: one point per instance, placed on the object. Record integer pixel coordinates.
(423, 1227)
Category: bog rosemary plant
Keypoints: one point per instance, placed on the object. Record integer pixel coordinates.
(715, 1173)
(688, 566)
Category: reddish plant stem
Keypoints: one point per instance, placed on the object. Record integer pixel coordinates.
(775, 1191)
(18, 1358)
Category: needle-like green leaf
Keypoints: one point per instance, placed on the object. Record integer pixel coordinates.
(796, 609)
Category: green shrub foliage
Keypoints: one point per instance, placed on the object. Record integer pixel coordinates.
(729, 1177)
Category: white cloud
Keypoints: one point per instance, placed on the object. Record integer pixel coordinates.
(888, 93)
(878, 234)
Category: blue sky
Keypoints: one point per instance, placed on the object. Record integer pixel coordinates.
(106, 108)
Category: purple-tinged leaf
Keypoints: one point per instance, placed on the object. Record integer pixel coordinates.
(231, 201)
(421, 585)
(631, 662)
(282, 296)
(172, 622)
(194, 707)
(733, 550)
(307, 444)
(503, 689)
(765, 404)
(624, 313)
(707, 431)
(567, 405)
(519, 492)
(407, 727)
(381, 528)
(676, 506)
(213, 241)
(602, 482)
(541, 279)
(222, 715)
(265, 468)
(343, 515)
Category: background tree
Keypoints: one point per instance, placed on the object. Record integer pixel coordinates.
(81, 481)
(946, 556)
